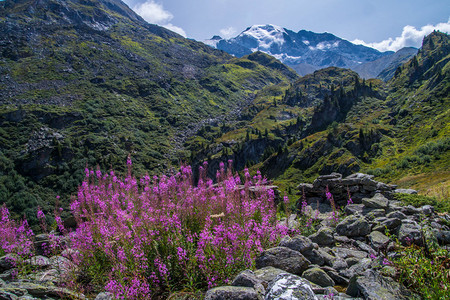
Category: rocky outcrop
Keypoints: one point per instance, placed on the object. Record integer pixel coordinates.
(359, 186)
(350, 259)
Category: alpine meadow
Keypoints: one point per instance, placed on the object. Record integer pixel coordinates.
(136, 163)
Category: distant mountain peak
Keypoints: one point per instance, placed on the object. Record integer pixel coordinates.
(304, 51)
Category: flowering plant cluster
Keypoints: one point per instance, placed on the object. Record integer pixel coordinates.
(15, 237)
(147, 238)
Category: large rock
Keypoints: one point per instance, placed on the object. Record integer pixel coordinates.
(7, 262)
(377, 201)
(38, 261)
(353, 226)
(443, 237)
(405, 191)
(41, 291)
(318, 276)
(357, 269)
(410, 233)
(231, 293)
(323, 237)
(267, 274)
(248, 278)
(314, 256)
(298, 243)
(346, 253)
(4, 295)
(105, 296)
(387, 223)
(372, 286)
(283, 258)
(290, 287)
(378, 240)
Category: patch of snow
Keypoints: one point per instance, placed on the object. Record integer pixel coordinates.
(306, 43)
(284, 56)
(266, 35)
(212, 43)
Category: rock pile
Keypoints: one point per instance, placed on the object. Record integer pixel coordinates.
(358, 185)
(44, 278)
(348, 260)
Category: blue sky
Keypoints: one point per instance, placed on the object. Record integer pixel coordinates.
(383, 24)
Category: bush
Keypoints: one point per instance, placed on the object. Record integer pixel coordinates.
(420, 200)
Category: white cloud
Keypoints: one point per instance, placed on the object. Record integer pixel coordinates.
(174, 28)
(411, 37)
(227, 32)
(155, 13)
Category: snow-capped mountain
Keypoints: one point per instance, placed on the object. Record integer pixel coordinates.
(304, 51)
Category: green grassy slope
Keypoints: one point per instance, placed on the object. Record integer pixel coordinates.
(89, 82)
(332, 121)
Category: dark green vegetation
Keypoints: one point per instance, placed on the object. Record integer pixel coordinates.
(333, 121)
(421, 200)
(87, 82)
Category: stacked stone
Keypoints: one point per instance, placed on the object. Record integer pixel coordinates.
(347, 261)
(358, 185)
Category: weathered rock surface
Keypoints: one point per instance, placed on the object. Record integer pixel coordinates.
(318, 276)
(283, 258)
(290, 287)
(372, 286)
(353, 225)
(231, 293)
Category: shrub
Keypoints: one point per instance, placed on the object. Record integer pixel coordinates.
(420, 200)
(150, 237)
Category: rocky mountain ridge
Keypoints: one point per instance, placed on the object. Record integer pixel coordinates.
(306, 51)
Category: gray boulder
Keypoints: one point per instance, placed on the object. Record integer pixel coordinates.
(443, 236)
(231, 293)
(353, 226)
(378, 240)
(105, 296)
(298, 243)
(290, 287)
(357, 269)
(38, 261)
(396, 214)
(410, 233)
(388, 223)
(248, 278)
(267, 274)
(377, 201)
(318, 276)
(372, 286)
(323, 237)
(346, 253)
(283, 258)
(315, 257)
(7, 262)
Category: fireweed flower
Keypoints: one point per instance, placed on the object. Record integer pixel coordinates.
(146, 237)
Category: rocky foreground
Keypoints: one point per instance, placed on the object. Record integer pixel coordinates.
(346, 259)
